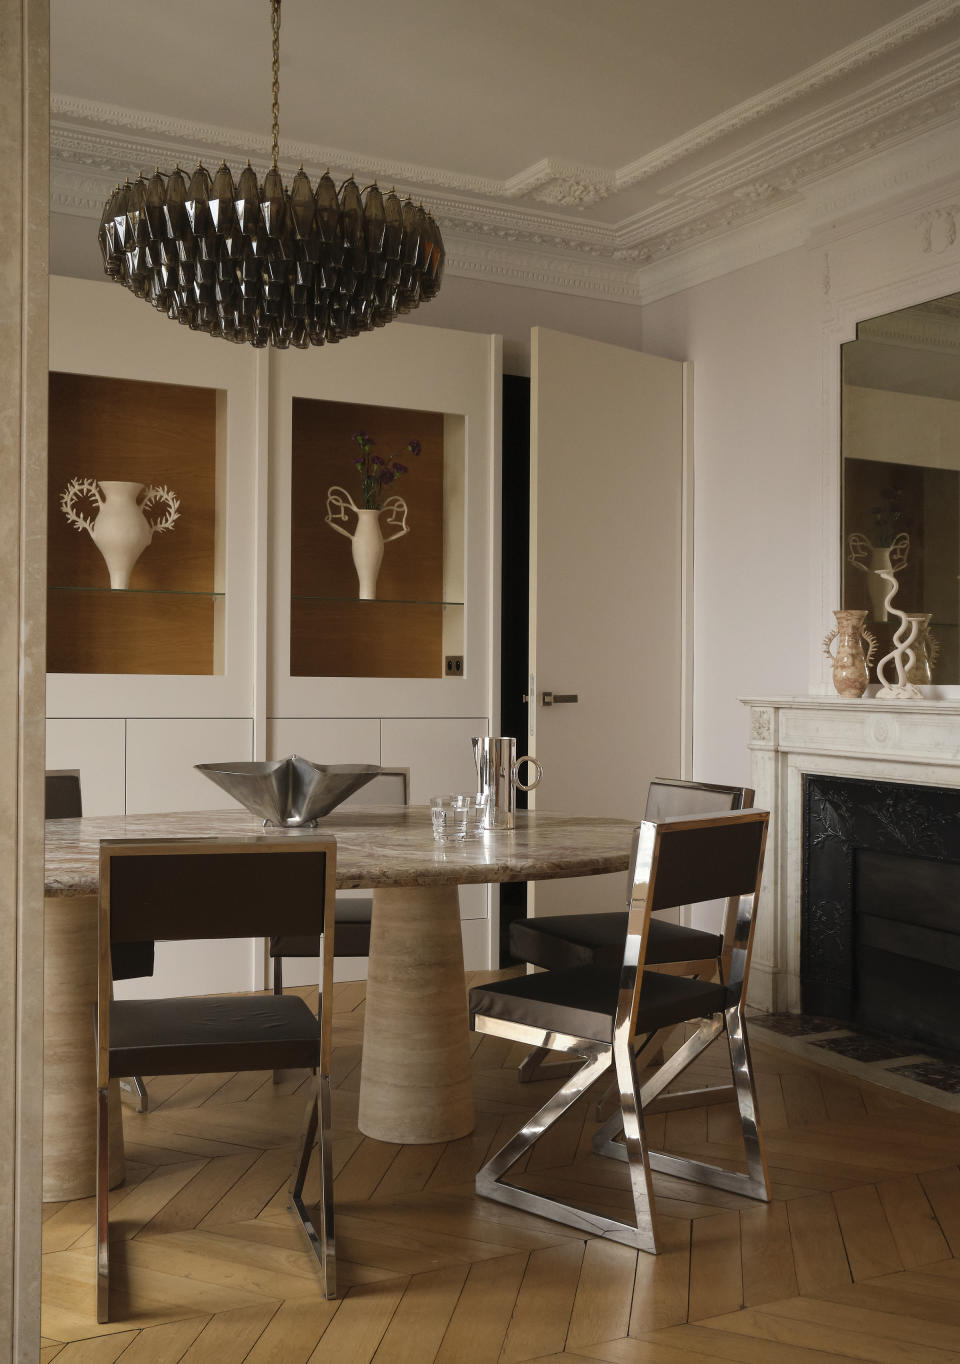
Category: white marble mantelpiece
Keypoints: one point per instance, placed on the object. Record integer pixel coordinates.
(898, 741)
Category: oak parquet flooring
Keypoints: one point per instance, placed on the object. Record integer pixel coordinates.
(855, 1257)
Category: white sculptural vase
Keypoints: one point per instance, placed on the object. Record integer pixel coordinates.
(878, 561)
(367, 536)
(902, 656)
(121, 529)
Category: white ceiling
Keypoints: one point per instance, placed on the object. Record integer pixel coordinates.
(581, 143)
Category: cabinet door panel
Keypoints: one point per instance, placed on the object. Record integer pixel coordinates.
(161, 756)
(325, 741)
(96, 749)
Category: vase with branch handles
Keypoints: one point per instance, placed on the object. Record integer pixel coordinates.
(121, 528)
(367, 536)
(877, 561)
(851, 667)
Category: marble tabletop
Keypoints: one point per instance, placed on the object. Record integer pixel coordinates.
(376, 846)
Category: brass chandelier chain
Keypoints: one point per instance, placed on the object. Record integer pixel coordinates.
(275, 26)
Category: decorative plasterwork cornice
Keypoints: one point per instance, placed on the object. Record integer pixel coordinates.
(534, 228)
(934, 326)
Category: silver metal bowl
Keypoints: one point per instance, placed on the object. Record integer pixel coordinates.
(291, 792)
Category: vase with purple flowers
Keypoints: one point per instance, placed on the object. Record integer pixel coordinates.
(376, 476)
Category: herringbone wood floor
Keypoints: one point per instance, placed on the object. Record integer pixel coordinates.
(857, 1257)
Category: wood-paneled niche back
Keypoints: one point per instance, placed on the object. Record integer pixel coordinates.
(417, 617)
(169, 620)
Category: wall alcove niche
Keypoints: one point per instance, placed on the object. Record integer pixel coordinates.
(170, 618)
(416, 618)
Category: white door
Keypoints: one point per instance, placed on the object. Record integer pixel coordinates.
(607, 550)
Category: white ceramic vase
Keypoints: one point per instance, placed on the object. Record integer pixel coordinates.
(367, 536)
(121, 529)
(878, 562)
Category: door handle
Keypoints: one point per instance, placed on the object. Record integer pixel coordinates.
(550, 698)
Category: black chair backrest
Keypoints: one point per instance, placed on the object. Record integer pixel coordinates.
(62, 796)
(670, 796)
(182, 889)
(685, 861)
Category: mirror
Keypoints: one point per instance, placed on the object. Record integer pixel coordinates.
(900, 447)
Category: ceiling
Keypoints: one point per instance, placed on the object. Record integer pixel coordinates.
(569, 145)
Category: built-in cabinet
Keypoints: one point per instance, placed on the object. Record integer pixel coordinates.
(283, 655)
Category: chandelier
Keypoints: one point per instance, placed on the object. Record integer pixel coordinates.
(266, 265)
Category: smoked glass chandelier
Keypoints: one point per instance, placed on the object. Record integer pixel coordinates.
(264, 264)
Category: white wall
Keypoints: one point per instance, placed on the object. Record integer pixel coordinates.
(753, 339)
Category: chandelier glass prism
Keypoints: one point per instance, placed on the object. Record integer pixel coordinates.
(268, 265)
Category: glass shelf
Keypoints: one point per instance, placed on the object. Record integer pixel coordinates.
(140, 591)
(382, 601)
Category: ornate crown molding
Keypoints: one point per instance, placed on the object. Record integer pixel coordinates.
(535, 227)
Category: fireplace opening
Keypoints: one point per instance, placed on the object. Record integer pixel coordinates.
(880, 928)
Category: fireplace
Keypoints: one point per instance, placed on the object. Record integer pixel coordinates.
(904, 827)
(880, 906)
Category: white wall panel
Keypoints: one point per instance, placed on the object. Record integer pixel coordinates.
(160, 759)
(325, 740)
(204, 967)
(96, 748)
(437, 752)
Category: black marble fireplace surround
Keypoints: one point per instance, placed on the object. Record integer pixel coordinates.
(880, 912)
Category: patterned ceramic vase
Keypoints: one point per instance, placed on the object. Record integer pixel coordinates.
(850, 664)
(926, 649)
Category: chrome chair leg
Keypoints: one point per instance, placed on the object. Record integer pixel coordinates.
(322, 1244)
(277, 990)
(134, 1085)
(635, 1146)
(646, 1053)
(651, 1096)
(532, 1068)
(746, 1093)
(490, 1184)
(103, 1205)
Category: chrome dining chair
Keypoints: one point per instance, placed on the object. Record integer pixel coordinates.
(63, 800)
(610, 1017)
(558, 941)
(181, 890)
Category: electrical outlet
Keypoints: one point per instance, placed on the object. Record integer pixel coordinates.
(454, 665)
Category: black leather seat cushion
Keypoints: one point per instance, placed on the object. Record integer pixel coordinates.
(351, 935)
(560, 941)
(583, 1001)
(186, 1036)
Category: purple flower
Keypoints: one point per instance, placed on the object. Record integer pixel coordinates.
(375, 459)
(398, 468)
(387, 477)
(414, 448)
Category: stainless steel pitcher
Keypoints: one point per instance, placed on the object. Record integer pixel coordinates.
(497, 777)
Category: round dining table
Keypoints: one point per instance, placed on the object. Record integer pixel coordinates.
(415, 1070)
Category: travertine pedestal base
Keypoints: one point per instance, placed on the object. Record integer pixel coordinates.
(69, 1073)
(415, 1074)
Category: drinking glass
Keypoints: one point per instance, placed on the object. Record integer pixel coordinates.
(479, 818)
(449, 815)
